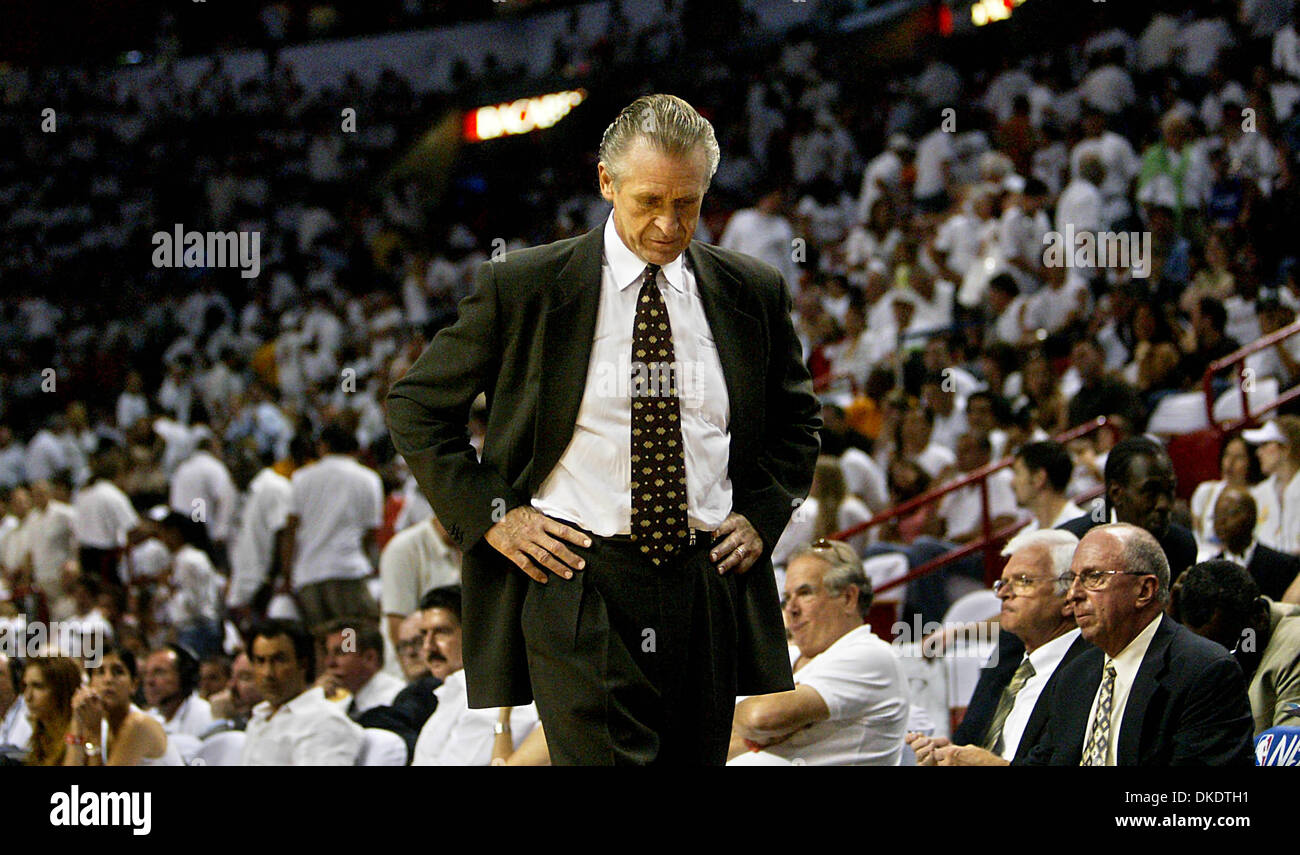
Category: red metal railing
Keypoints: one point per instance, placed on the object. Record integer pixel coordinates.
(988, 540)
(1238, 358)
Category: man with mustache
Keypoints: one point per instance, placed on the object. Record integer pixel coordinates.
(456, 735)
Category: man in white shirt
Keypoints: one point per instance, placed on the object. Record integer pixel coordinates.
(762, 231)
(456, 735)
(851, 700)
(934, 160)
(294, 725)
(106, 521)
(1005, 717)
(53, 542)
(1151, 693)
(171, 678)
(336, 506)
(1040, 476)
(960, 510)
(416, 560)
(354, 661)
(202, 489)
(254, 549)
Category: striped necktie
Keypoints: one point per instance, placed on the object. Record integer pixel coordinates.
(993, 740)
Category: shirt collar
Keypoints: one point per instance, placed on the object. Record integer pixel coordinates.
(1130, 658)
(627, 268)
(1245, 557)
(312, 696)
(1048, 656)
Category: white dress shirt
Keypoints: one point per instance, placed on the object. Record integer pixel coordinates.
(1045, 660)
(336, 501)
(456, 735)
(379, 691)
(1126, 665)
(264, 511)
(1069, 511)
(592, 484)
(307, 731)
(104, 515)
(193, 717)
(196, 588)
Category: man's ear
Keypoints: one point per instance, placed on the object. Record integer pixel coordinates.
(1148, 586)
(606, 182)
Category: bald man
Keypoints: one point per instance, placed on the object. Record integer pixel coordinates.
(1234, 523)
(1151, 693)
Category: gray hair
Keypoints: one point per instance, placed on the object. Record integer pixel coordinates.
(1140, 551)
(844, 568)
(1060, 546)
(667, 123)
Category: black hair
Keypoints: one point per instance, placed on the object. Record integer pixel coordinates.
(304, 647)
(187, 667)
(338, 439)
(1050, 457)
(447, 597)
(1213, 586)
(1005, 283)
(1119, 463)
(368, 636)
(113, 648)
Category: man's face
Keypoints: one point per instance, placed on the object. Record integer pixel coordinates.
(656, 200)
(1270, 455)
(815, 618)
(243, 685)
(410, 647)
(351, 666)
(113, 681)
(1023, 483)
(441, 642)
(1147, 498)
(1087, 360)
(1035, 612)
(212, 679)
(1107, 617)
(280, 676)
(162, 679)
(1233, 520)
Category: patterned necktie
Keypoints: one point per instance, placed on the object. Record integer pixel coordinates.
(993, 741)
(658, 459)
(1099, 739)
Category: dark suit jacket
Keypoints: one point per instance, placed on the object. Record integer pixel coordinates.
(408, 712)
(524, 338)
(1178, 543)
(1273, 571)
(988, 691)
(1187, 707)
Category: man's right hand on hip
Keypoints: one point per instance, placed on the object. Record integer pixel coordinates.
(529, 539)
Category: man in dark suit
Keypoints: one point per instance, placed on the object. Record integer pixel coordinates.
(1007, 714)
(638, 511)
(1140, 485)
(1151, 692)
(1234, 523)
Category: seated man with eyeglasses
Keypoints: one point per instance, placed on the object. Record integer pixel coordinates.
(850, 704)
(1007, 714)
(1151, 692)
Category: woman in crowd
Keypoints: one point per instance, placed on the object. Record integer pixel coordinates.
(49, 683)
(837, 508)
(1239, 466)
(134, 737)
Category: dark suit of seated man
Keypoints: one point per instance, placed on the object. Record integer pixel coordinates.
(1007, 715)
(1140, 485)
(1152, 693)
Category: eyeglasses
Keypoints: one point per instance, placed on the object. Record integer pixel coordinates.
(1095, 580)
(1020, 584)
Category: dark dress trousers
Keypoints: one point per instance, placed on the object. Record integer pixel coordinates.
(524, 338)
(1187, 707)
(988, 691)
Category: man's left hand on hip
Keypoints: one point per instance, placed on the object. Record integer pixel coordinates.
(738, 547)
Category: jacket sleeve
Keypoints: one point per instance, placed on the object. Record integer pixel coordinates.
(791, 444)
(1215, 727)
(428, 414)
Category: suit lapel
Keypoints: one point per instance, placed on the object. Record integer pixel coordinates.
(1145, 685)
(736, 334)
(569, 326)
(1037, 722)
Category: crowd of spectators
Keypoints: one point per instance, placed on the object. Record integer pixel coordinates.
(196, 465)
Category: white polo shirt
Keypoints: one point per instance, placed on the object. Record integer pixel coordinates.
(413, 562)
(204, 478)
(265, 509)
(193, 717)
(104, 515)
(864, 687)
(336, 501)
(53, 543)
